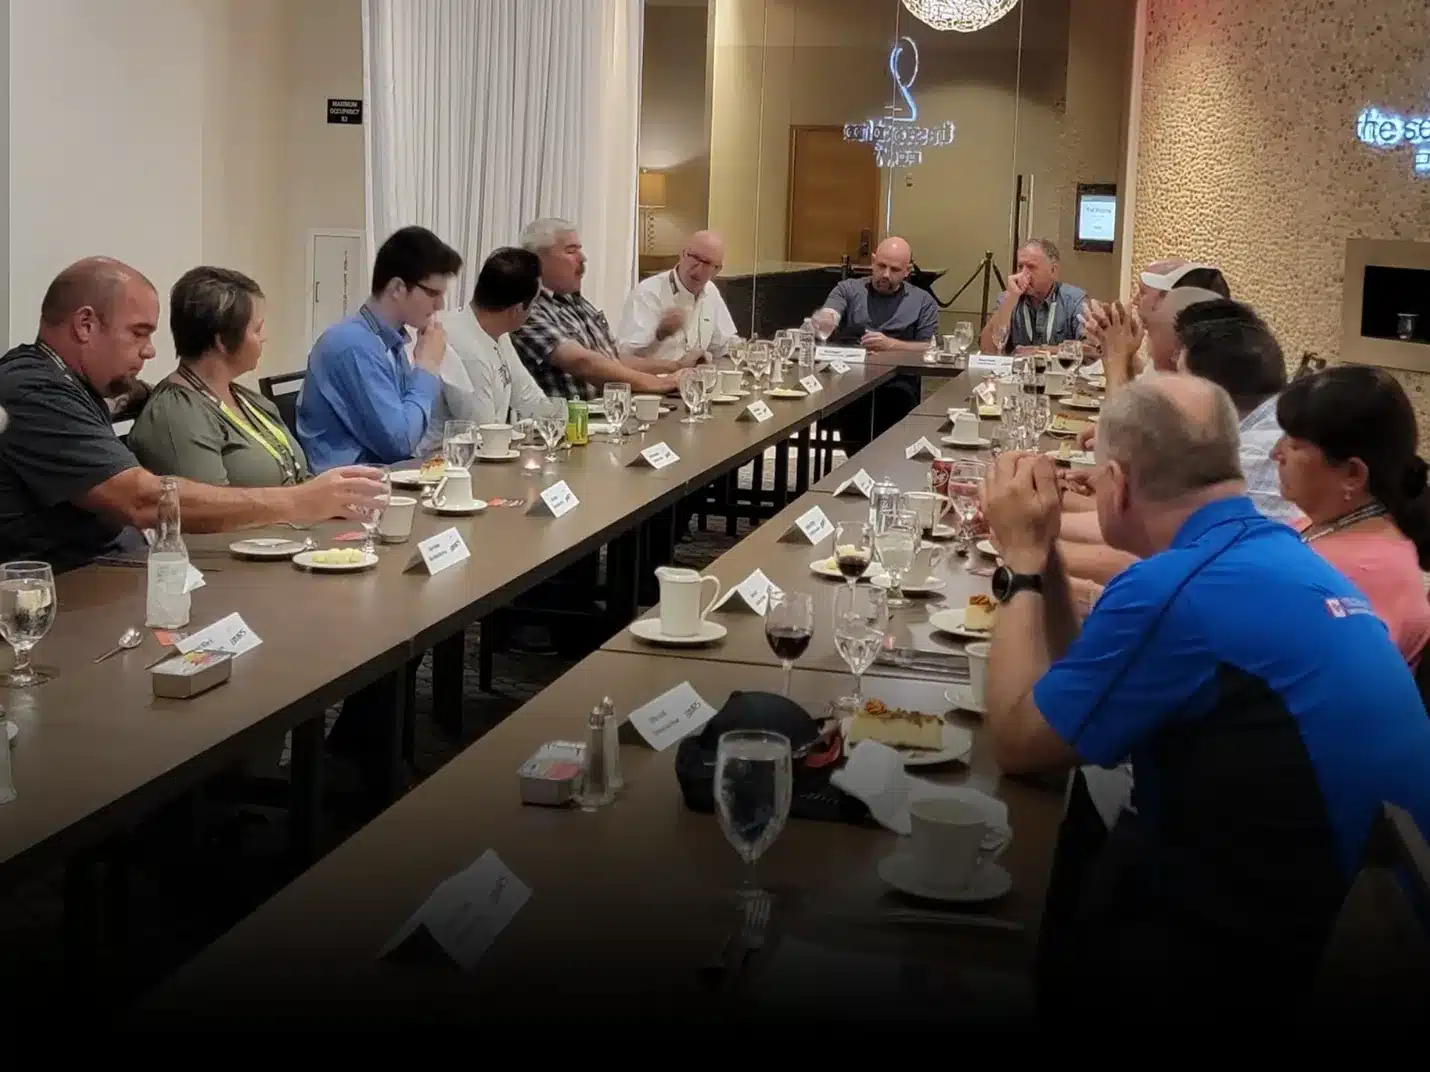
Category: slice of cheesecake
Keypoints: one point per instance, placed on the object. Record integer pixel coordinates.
(895, 727)
(978, 615)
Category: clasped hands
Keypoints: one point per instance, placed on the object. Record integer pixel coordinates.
(1022, 501)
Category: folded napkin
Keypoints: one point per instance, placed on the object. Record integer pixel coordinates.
(601, 427)
(875, 774)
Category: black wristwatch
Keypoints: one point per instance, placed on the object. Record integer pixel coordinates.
(1007, 584)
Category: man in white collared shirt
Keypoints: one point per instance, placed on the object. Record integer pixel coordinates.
(680, 312)
(482, 378)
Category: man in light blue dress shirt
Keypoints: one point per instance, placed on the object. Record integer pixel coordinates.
(362, 400)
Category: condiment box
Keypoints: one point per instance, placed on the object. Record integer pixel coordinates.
(552, 776)
(188, 675)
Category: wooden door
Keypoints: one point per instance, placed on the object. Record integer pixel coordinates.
(833, 198)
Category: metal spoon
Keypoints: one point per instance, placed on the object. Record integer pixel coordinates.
(130, 638)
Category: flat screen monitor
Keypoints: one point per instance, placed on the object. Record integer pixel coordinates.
(1096, 217)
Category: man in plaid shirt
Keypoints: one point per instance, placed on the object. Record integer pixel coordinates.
(566, 343)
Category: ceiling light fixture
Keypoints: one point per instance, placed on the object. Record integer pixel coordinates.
(965, 16)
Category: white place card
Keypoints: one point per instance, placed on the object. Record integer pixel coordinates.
(756, 411)
(839, 368)
(554, 501)
(464, 915)
(861, 483)
(811, 384)
(671, 717)
(655, 456)
(439, 552)
(922, 448)
(753, 593)
(229, 634)
(812, 526)
(193, 579)
(850, 355)
(999, 363)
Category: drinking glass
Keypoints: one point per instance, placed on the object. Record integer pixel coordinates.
(459, 444)
(861, 614)
(853, 549)
(964, 483)
(897, 547)
(754, 782)
(370, 517)
(709, 380)
(759, 356)
(1069, 355)
(688, 380)
(789, 627)
(883, 501)
(784, 349)
(736, 353)
(962, 338)
(552, 428)
(527, 427)
(27, 610)
(617, 401)
(823, 327)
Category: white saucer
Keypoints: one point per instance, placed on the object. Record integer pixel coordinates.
(821, 567)
(721, 400)
(266, 548)
(927, 587)
(951, 621)
(648, 629)
(11, 730)
(990, 413)
(957, 743)
(941, 532)
(1058, 433)
(505, 456)
(1090, 404)
(307, 562)
(788, 392)
(985, 547)
(478, 505)
(967, 444)
(411, 478)
(962, 698)
(988, 883)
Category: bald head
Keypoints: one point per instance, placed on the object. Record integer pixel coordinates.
(892, 261)
(1162, 343)
(100, 316)
(701, 261)
(1171, 436)
(95, 282)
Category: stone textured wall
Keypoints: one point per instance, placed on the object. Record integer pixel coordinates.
(1248, 155)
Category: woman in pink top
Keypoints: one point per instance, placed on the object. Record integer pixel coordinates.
(1347, 460)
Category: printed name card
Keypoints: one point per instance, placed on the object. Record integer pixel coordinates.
(463, 916)
(998, 363)
(861, 483)
(229, 634)
(922, 448)
(555, 501)
(812, 526)
(671, 717)
(756, 411)
(655, 456)
(849, 355)
(753, 593)
(439, 552)
(839, 368)
(811, 384)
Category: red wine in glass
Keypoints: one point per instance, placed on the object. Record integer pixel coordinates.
(852, 565)
(788, 642)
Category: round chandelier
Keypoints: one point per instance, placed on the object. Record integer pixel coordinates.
(965, 16)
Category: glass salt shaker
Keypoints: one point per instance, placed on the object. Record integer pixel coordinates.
(595, 779)
(613, 745)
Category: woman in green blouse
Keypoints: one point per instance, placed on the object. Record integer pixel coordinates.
(201, 424)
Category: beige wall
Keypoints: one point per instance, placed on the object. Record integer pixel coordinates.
(673, 131)
(1247, 152)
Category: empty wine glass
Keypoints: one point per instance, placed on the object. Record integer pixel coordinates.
(688, 380)
(789, 627)
(709, 380)
(616, 398)
(861, 615)
(758, 356)
(897, 545)
(962, 338)
(964, 482)
(552, 428)
(459, 444)
(754, 783)
(736, 354)
(370, 517)
(27, 610)
(853, 549)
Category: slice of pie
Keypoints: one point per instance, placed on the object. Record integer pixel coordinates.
(978, 615)
(895, 727)
(1063, 423)
(432, 469)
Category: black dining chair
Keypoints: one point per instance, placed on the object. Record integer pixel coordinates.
(283, 392)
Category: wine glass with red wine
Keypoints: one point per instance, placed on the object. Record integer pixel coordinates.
(853, 549)
(789, 627)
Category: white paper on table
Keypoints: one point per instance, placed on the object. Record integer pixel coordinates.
(193, 579)
(752, 593)
(671, 717)
(1110, 790)
(466, 912)
(600, 428)
(229, 634)
(875, 774)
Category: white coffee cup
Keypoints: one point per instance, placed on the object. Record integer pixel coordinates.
(496, 440)
(1008, 389)
(454, 490)
(647, 408)
(927, 562)
(965, 427)
(946, 840)
(930, 507)
(978, 672)
(729, 381)
(680, 611)
(1055, 381)
(396, 523)
(954, 411)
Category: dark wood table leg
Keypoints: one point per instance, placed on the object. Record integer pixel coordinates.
(447, 672)
(305, 808)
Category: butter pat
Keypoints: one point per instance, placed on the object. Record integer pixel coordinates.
(552, 775)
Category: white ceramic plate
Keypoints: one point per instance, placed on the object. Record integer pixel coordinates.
(926, 587)
(942, 532)
(957, 743)
(506, 456)
(990, 413)
(1083, 403)
(787, 392)
(724, 400)
(266, 548)
(648, 629)
(988, 883)
(478, 505)
(412, 478)
(967, 444)
(962, 698)
(822, 568)
(308, 562)
(985, 547)
(951, 621)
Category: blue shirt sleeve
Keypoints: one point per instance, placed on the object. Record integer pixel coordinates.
(387, 420)
(1135, 666)
(927, 327)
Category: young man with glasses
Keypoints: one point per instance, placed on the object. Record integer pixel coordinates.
(362, 400)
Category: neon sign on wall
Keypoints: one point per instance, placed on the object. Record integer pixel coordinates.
(898, 140)
(1386, 130)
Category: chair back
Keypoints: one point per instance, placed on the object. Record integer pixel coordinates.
(283, 392)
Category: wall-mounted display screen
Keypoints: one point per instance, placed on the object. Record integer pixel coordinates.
(1096, 217)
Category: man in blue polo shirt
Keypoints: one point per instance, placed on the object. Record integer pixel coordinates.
(1266, 712)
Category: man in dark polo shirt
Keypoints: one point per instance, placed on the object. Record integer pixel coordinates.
(1265, 709)
(883, 314)
(69, 489)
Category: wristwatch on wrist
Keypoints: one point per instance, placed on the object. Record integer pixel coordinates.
(1007, 584)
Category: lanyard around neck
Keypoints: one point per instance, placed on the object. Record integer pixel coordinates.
(1345, 521)
(272, 438)
(1048, 330)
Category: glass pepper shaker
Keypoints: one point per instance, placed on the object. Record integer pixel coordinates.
(613, 745)
(595, 781)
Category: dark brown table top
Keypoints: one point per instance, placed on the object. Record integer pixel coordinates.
(627, 902)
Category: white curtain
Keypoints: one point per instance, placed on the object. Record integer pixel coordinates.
(486, 114)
